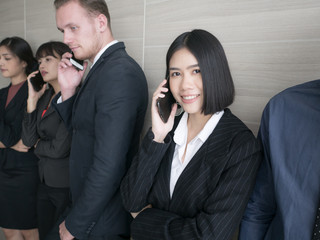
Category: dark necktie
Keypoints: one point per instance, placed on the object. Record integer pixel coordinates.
(316, 228)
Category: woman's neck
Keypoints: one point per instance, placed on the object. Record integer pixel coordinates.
(18, 79)
(55, 85)
(198, 120)
(196, 123)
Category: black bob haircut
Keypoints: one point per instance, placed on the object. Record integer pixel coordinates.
(22, 50)
(218, 87)
(49, 48)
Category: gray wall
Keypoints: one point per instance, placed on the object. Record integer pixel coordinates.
(270, 44)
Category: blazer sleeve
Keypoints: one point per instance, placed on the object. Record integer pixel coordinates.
(10, 133)
(223, 208)
(262, 205)
(64, 110)
(57, 147)
(117, 102)
(29, 129)
(138, 181)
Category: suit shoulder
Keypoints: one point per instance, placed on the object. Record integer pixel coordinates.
(294, 99)
(233, 123)
(120, 61)
(301, 91)
(229, 132)
(2, 90)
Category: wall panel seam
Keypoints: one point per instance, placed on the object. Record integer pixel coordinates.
(144, 32)
(25, 19)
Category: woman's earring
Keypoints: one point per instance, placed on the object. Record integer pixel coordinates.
(179, 109)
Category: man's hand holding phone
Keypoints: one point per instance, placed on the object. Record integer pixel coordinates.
(160, 128)
(69, 76)
(78, 64)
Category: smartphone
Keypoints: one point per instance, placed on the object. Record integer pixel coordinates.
(164, 105)
(76, 62)
(37, 82)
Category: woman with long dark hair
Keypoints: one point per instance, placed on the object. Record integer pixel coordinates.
(43, 128)
(18, 164)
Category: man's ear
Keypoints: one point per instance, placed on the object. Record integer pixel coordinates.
(102, 22)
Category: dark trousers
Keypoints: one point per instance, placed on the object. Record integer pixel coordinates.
(51, 203)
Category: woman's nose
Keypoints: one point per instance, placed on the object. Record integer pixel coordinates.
(186, 81)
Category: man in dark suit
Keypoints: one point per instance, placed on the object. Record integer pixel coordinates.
(284, 204)
(105, 116)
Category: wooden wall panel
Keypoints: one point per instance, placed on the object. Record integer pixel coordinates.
(12, 24)
(41, 23)
(127, 21)
(270, 45)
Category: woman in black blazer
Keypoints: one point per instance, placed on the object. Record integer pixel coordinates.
(18, 164)
(43, 128)
(193, 175)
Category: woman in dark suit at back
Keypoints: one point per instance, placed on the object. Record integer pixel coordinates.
(18, 165)
(193, 175)
(43, 128)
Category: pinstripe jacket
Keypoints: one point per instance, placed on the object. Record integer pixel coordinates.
(209, 197)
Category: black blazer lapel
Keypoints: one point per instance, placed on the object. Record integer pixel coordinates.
(214, 152)
(21, 95)
(101, 60)
(164, 177)
(3, 100)
(44, 104)
(103, 57)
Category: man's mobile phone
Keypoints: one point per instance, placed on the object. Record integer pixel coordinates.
(37, 82)
(164, 105)
(76, 62)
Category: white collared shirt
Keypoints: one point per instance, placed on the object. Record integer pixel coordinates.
(180, 138)
(96, 58)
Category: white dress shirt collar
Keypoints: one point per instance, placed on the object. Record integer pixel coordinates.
(180, 134)
(96, 58)
(180, 138)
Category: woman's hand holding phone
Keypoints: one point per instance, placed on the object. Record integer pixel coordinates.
(160, 129)
(33, 95)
